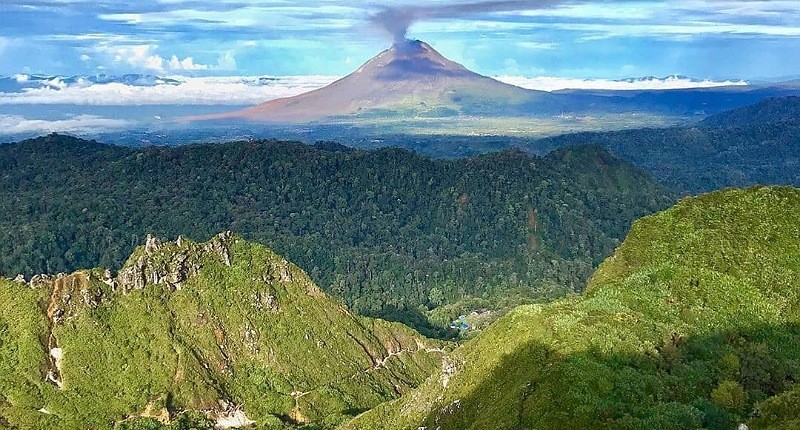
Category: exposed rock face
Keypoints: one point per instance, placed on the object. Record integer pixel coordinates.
(171, 263)
(234, 419)
(54, 374)
(266, 300)
(68, 293)
(282, 273)
(449, 368)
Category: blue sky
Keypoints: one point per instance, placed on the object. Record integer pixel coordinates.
(717, 39)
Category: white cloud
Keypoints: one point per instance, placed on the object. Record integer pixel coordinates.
(537, 46)
(103, 38)
(621, 11)
(546, 83)
(146, 57)
(615, 29)
(250, 90)
(85, 58)
(226, 61)
(684, 29)
(232, 91)
(185, 64)
(136, 56)
(127, 18)
(272, 15)
(14, 124)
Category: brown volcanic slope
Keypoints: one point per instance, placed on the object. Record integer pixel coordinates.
(408, 77)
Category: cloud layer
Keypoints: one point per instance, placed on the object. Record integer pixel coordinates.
(175, 90)
(545, 83)
(15, 124)
(136, 90)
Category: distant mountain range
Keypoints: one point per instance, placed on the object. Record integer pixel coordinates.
(409, 88)
(19, 83)
(770, 111)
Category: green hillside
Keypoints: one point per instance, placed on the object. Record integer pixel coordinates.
(736, 149)
(392, 233)
(213, 333)
(693, 323)
(770, 111)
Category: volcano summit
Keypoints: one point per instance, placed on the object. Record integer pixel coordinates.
(410, 78)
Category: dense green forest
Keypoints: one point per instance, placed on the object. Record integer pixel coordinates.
(770, 111)
(694, 323)
(757, 144)
(703, 158)
(385, 230)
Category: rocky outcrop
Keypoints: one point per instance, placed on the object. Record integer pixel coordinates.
(190, 350)
(68, 294)
(281, 272)
(232, 419)
(449, 369)
(171, 263)
(266, 300)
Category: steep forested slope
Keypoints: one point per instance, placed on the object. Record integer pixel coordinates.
(753, 145)
(693, 323)
(214, 333)
(769, 111)
(386, 230)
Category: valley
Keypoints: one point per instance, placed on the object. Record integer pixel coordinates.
(403, 215)
(392, 233)
(195, 335)
(671, 332)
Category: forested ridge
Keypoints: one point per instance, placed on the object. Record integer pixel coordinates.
(754, 145)
(692, 324)
(390, 232)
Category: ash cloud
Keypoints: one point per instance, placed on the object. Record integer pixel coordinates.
(397, 20)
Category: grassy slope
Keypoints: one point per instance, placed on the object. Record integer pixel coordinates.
(216, 338)
(693, 323)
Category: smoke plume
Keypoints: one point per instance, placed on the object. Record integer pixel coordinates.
(396, 20)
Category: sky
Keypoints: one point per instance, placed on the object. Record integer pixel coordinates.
(715, 39)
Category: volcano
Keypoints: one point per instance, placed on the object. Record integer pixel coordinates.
(408, 79)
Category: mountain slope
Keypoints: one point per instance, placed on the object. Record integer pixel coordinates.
(703, 158)
(773, 110)
(224, 330)
(386, 230)
(410, 76)
(692, 324)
